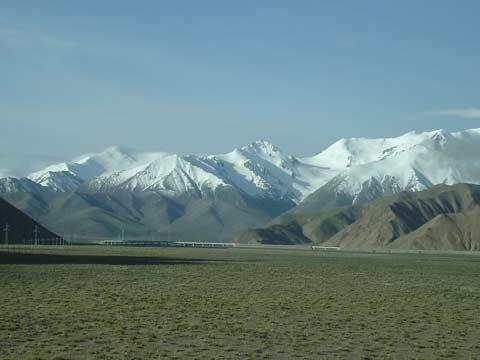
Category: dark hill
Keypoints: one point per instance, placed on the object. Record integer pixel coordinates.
(21, 226)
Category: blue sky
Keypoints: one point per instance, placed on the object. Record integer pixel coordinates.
(207, 76)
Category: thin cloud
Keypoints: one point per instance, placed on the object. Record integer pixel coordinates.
(15, 35)
(465, 113)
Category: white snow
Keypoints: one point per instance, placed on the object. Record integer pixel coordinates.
(413, 161)
(171, 173)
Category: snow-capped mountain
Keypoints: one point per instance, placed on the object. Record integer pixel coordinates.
(259, 169)
(89, 166)
(169, 173)
(262, 169)
(359, 168)
(12, 185)
(61, 181)
(413, 162)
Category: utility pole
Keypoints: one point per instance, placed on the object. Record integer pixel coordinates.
(6, 230)
(35, 234)
(123, 234)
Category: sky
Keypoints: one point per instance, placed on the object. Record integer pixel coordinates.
(208, 76)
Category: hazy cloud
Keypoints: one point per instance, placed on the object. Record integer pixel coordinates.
(465, 113)
(15, 35)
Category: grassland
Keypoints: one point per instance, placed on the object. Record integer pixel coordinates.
(164, 303)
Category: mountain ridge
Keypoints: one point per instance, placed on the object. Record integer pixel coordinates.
(355, 169)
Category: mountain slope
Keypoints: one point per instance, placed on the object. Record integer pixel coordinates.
(13, 185)
(171, 174)
(384, 221)
(442, 217)
(458, 231)
(148, 215)
(21, 226)
(290, 229)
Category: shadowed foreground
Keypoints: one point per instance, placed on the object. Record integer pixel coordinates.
(251, 304)
(13, 257)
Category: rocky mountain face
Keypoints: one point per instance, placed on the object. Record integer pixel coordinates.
(384, 222)
(440, 218)
(455, 231)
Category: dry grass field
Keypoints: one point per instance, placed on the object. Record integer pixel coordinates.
(166, 303)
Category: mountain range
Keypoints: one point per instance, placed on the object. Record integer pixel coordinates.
(354, 168)
(245, 188)
(259, 169)
(441, 218)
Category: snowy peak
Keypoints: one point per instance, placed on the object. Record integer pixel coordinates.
(347, 153)
(60, 181)
(263, 169)
(411, 162)
(67, 176)
(111, 159)
(261, 148)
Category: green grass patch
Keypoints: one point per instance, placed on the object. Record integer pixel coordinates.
(237, 303)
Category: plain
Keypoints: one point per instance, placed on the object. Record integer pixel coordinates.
(162, 303)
